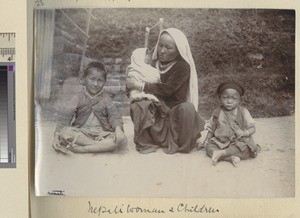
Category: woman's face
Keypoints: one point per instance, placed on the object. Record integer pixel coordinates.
(166, 49)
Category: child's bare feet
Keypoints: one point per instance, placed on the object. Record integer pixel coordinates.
(217, 155)
(61, 148)
(235, 160)
(57, 146)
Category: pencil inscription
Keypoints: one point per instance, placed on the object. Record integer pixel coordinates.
(129, 209)
(39, 2)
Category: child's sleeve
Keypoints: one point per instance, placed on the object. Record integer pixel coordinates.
(209, 124)
(114, 117)
(66, 111)
(250, 122)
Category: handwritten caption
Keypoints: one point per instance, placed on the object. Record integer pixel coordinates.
(99, 210)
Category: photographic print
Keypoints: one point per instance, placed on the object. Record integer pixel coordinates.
(133, 102)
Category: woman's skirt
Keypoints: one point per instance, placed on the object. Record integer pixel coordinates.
(157, 126)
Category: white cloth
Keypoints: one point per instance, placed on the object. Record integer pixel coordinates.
(185, 52)
(140, 70)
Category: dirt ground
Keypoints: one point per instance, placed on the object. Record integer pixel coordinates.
(131, 174)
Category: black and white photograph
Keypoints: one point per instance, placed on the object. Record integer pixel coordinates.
(161, 102)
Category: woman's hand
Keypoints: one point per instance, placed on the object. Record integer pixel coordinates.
(120, 138)
(151, 97)
(136, 95)
(133, 83)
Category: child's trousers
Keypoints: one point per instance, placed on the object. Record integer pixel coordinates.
(69, 135)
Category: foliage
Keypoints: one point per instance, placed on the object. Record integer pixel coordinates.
(265, 95)
(255, 47)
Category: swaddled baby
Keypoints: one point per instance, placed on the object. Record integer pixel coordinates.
(141, 70)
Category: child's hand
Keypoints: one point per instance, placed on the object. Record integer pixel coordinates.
(241, 133)
(202, 145)
(120, 138)
(206, 141)
(208, 126)
(57, 147)
(138, 96)
(98, 138)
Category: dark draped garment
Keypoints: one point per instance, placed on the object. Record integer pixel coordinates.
(172, 124)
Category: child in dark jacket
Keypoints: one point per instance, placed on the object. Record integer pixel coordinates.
(230, 128)
(89, 122)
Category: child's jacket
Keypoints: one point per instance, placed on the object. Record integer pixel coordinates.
(77, 111)
(225, 124)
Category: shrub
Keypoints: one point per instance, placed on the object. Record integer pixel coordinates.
(255, 47)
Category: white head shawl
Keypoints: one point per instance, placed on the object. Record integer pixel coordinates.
(184, 50)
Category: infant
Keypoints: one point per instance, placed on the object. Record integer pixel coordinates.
(141, 70)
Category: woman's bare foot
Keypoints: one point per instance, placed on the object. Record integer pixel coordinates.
(217, 155)
(235, 160)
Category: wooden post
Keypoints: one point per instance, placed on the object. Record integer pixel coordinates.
(147, 37)
(161, 22)
(87, 29)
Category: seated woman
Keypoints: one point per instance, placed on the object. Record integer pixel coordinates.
(172, 123)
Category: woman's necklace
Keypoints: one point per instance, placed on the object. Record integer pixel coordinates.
(162, 68)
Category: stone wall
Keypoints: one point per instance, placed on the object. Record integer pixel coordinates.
(66, 82)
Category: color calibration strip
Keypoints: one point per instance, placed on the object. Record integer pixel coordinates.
(7, 101)
(7, 116)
